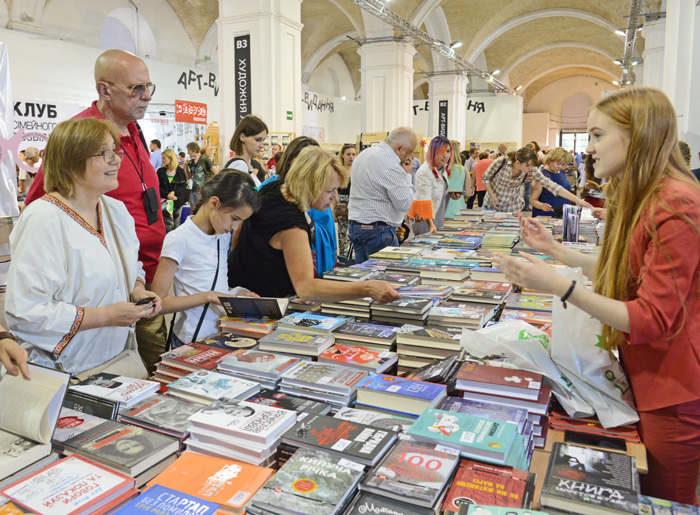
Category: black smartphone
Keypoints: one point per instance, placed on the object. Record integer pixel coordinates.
(146, 300)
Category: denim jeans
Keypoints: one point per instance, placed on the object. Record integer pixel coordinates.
(526, 196)
(370, 238)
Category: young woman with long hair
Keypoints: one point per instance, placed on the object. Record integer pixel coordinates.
(646, 279)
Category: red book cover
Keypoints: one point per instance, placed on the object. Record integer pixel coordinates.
(501, 381)
(200, 356)
(487, 285)
(489, 485)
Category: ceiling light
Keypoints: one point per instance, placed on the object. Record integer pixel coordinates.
(620, 32)
(495, 72)
(519, 88)
(343, 98)
(617, 83)
(618, 62)
(456, 44)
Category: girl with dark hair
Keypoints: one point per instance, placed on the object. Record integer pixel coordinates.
(347, 155)
(194, 256)
(507, 174)
(591, 186)
(247, 142)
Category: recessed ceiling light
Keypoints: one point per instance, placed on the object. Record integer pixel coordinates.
(495, 72)
(456, 44)
(620, 32)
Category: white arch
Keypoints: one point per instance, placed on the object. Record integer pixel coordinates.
(323, 51)
(208, 53)
(356, 26)
(423, 11)
(536, 15)
(376, 28)
(436, 25)
(27, 16)
(418, 83)
(124, 23)
(551, 46)
(564, 66)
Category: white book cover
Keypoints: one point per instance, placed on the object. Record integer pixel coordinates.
(125, 390)
(72, 422)
(212, 385)
(245, 419)
(253, 362)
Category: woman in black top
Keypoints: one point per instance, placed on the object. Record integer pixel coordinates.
(347, 156)
(272, 252)
(173, 186)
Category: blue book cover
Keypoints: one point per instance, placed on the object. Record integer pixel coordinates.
(311, 321)
(401, 386)
(159, 499)
(475, 437)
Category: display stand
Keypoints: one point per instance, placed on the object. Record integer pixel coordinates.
(283, 139)
(211, 139)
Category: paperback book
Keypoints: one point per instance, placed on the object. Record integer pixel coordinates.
(509, 382)
(167, 415)
(376, 419)
(368, 333)
(159, 499)
(311, 323)
(359, 357)
(125, 390)
(399, 394)
(254, 363)
(490, 410)
(228, 341)
(369, 503)
(206, 386)
(193, 357)
(296, 342)
(323, 377)
(302, 406)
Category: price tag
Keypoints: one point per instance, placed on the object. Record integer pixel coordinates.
(351, 464)
(534, 385)
(467, 437)
(239, 498)
(448, 450)
(341, 445)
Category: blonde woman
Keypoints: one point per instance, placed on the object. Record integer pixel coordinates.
(646, 279)
(272, 253)
(172, 181)
(543, 201)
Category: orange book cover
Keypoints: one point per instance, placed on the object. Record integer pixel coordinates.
(226, 482)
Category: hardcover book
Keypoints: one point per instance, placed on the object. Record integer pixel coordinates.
(394, 278)
(323, 377)
(443, 338)
(254, 325)
(538, 406)
(372, 333)
(206, 386)
(521, 384)
(474, 437)
(290, 402)
(311, 481)
(194, 356)
(125, 390)
(358, 442)
(228, 341)
(369, 503)
(474, 295)
(91, 405)
(348, 274)
(68, 487)
(72, 423)
(399, 394)
(311, 323)
(417, 305)
(29, 411)
(226, 482)
(257, 363)
(581, 479)
(414, 472)
(490, 410)
(255, 307)
(159, 499)
(123, 447)
(246, 420)
(529, 302)
(296, 342)
(502, 287)
(376, 419)
(162, 413)
(359, 357)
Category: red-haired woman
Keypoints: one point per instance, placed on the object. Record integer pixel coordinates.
(432, 183)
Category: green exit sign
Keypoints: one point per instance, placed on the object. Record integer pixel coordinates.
(290, 115)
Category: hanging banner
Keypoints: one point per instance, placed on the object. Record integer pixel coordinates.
(190, 112)
(442, 118)
(243, 76)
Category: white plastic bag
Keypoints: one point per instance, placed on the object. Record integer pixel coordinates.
(594, 372)
(528, 348)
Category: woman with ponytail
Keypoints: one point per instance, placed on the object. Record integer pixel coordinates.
(646, 278)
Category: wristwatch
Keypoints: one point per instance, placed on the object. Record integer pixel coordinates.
(7, 334)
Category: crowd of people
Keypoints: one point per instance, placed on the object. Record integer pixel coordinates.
(101, 205)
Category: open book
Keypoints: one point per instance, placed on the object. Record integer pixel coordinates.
(28, 414)
(257, 307)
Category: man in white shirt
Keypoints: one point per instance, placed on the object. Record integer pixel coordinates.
(381, 193)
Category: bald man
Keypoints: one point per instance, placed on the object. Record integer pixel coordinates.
(124, 90)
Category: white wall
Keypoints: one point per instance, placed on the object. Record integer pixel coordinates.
(333, 78)
(338, 120)
(495, 118)
(536, 128)
(421, 116)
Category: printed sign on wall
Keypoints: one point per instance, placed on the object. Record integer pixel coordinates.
(190, 112)
(442, 118)
(243, 76)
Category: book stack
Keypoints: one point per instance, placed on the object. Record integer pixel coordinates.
(398, 395)
(460, 241)
(345, 439)
(297, 304)
(378, 419)
(333, 384)
(91, 405)
(500, 240)
(461, 314)
(73, 485)
(239, 430)
(474, 437)
(264, 367)
(406, 310)
(419, 346)
(311, 323)
(303, 407)
(185, 359)
(348, 274)
(251, 327)
(396, 253)
(516, 487)
(583, 480)
(529, 302)
(360, 357)
(440, 371)
(296, 343)
(125, 390)
(376, 337)
(229, 483)
(483, 273)
(412, 472)
(395, 278)
(206, 386)
(437, 292)
(311, 481)
(356, 308)
(483, 292)
(228, 341)
(163, 414)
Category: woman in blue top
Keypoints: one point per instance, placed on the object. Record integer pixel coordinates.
(544, 202)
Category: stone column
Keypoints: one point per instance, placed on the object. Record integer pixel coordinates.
(654, 40)
(387, 85)
(452, 89)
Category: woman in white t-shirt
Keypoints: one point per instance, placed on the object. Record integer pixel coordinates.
(248, 142)
(192, 252)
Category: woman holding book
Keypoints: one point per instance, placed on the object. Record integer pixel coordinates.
(272, 252)
(646, 279)
(543, 201)
(75, 280)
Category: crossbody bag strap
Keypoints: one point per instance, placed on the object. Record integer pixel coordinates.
(213, 285)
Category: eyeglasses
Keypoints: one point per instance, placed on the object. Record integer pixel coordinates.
(138, 90)
(108, 155)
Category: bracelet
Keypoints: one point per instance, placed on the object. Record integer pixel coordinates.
(568, 293)
(7, 334)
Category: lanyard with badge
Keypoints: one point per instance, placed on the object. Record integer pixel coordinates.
(150, 197)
